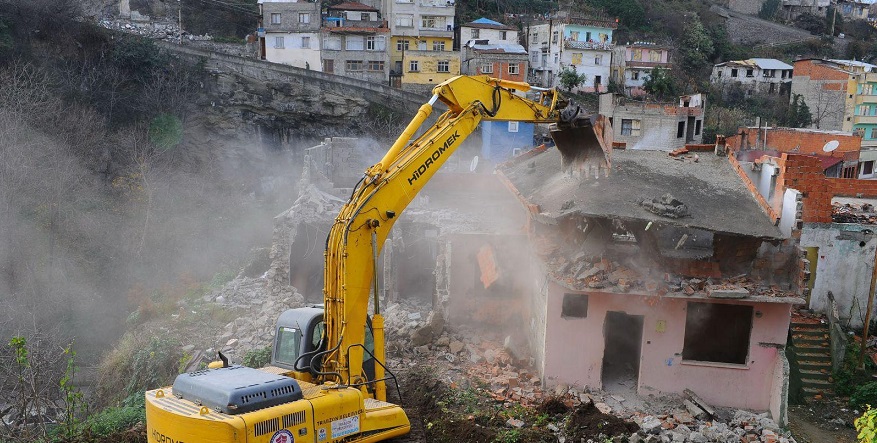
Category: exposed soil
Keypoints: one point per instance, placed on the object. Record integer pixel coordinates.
(552, 406)
(587, 422)
(439, 413)
(824, 422)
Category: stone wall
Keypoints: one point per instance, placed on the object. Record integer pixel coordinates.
(750, 7)
(318, 84)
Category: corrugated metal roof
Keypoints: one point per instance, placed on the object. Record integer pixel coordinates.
(763, 63)
(486, 23)
(508, 48)
(868, 66)
(352, 6)
(771, 63)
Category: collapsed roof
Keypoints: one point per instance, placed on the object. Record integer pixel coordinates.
(715, 196)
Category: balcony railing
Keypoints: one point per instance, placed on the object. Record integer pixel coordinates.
(574, 44)
(341, 25)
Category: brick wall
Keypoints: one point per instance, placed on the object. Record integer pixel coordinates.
(768, 207)
(817, 70)
(797, 141)
(805, 174)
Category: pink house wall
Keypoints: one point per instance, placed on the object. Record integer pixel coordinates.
(574, 349)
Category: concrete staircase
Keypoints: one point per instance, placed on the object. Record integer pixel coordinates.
(813, 354)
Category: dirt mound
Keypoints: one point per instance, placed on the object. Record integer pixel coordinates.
(552, 406)
(587, 422)
(427, 400)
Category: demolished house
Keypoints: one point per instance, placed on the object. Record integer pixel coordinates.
(670, 274)
(834, 219)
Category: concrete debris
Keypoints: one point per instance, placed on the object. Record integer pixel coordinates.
(666, 206)
(169, 31)
(861, 213)
(514, 423)
(627, 272)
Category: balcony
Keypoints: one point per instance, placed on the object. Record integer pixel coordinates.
(437, 3)
(340, 25)
(599, 46)
(865, 119)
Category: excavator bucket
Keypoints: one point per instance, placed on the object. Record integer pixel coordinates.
(584, 142)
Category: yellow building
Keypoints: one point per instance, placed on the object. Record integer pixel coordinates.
(421, 43)
(424, 60)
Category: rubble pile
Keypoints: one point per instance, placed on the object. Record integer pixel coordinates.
(680, 426)
(257, 309)
(854, 213)
(584, 273)
(170, 32)
(150, 29)
(626, 272)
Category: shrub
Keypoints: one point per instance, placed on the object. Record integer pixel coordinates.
(866, 425)
(115, 420)
(865, 395)
(140, 361)
(258, 358)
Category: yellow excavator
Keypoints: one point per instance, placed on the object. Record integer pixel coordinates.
(327, 381)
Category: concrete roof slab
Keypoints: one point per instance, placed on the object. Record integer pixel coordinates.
(716, 197)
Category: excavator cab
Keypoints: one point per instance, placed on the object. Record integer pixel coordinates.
(299, 342)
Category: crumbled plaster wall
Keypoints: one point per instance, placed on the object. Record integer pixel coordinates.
(846, 261)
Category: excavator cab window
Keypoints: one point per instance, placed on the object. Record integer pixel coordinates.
(317, 335)
(288, 345)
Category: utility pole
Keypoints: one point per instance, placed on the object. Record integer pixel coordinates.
(180, 19)
(861, 363)
(833, 17)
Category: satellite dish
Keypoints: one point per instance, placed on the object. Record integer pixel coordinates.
(831, 146)
(474, 164)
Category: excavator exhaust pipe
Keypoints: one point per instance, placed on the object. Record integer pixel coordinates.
(584, 142)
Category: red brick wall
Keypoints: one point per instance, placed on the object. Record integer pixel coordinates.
(817, 71)
(501, 70)
(805, 174)
(765, 205)
(806, 142)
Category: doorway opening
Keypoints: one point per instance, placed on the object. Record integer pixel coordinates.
(623, 345)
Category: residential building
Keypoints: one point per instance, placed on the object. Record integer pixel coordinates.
(670, 291)
(655, 126)
(842, 96)
(421, 42)
(793, 8)
(355, 42)
(290, 33)
(633, 63)
(486, 29)
(571, 42)
(854, 9)
(497, 59)
(755, 75)
(501, 141)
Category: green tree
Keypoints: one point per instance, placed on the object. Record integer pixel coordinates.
(630, 13)
(769, 9)
(696, 46)
(659, 83)
(798, 115)
(571, 79)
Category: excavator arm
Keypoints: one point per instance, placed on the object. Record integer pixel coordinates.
(238, 404)
(359, 231)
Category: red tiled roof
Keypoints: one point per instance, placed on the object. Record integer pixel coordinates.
(352, 6)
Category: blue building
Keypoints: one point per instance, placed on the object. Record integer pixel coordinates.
(501, 141)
